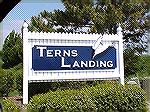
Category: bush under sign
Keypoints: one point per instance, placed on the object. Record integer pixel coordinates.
(72, 58)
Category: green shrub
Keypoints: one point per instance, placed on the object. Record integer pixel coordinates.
(1, 62)
(143, 65)
(37, 88)
(6, 82)
(1, 53)
(103, 97)
(117, 98)
(62, 101)
(9, 106)
(17, 72)
(130, 62)
(11, 80)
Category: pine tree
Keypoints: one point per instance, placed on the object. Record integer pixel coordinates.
(12, 50)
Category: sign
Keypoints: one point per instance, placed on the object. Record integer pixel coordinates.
(67, 56)
(72, 58)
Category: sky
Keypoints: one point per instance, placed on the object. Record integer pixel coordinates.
(24, 11)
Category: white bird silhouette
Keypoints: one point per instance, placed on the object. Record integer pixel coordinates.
(99, 47)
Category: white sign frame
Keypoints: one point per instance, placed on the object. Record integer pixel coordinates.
(62, 39)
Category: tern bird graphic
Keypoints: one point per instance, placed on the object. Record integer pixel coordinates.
(99, 47)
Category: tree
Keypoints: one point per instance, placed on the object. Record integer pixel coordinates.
(101, 16)
(12, 50)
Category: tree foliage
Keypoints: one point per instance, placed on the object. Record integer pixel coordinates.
(12, 50)
(100, 16)
(143, 65)
(131, 62)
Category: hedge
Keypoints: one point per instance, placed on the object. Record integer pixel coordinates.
(104, 97)
(117, 98)
(9, 106)
(11, 80)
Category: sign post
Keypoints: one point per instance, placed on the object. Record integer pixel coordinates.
(121, 64)
(63, 56)
(25, 63)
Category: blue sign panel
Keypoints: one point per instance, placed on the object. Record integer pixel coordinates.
(72, 58)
